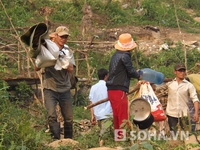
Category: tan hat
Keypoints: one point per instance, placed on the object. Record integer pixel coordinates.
(125, 42)
(62, 30)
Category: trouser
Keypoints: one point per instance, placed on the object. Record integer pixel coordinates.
(104, 127)
(173, 122)
(64, 99)
(119, 103)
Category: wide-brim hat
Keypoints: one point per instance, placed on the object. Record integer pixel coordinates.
(125, 42)
(33, 38)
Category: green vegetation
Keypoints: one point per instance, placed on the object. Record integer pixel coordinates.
(111, 14)
(19, 130)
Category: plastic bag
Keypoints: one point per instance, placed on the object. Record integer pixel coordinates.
(147, 93)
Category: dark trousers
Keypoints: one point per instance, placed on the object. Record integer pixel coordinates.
(64, 99)
(173, 123)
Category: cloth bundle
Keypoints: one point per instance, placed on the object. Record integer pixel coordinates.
(47, 55)
(34, 38)
(52, 56)
(46, 52)
(65, 57)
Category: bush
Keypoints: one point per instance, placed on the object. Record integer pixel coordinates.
(23, 92)
(18, 129)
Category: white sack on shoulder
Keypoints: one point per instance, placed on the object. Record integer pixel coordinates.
(52, 47)
(45, 58)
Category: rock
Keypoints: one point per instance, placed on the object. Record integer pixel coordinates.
(63, 142)
(106, 148)
(192, 140)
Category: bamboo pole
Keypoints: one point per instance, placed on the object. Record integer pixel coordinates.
(95, 104)
(18, 58)
(18, 37)
(177, 21)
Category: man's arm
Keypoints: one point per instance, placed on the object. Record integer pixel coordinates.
(36, 68)
(196, 113)
(70, 68)
(137, 87)
(93, 119)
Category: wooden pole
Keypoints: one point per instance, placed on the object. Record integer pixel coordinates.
(95, 104)
(136, 59)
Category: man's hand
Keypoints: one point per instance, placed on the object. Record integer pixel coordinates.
(93, 120)
(140, 73)
(137, 87)
(196, 117)
(196, 113)
(36, 68)
(70, 68)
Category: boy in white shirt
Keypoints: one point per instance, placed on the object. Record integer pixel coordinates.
(101, 112)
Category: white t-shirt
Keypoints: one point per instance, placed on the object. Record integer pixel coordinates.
(99, 92)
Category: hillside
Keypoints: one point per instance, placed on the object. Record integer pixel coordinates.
(162, 36)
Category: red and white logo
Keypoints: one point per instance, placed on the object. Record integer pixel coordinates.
(120, 135)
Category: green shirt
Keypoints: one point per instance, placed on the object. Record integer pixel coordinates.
(56, 80)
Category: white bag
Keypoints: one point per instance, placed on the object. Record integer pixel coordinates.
(44, 58)
(64, 59)
(52, 47)
(147, 93)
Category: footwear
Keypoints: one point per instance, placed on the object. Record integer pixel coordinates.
(101, 142)
(68, 130)
(55, 130)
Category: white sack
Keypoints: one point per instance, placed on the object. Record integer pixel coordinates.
(64, 59)
(45, 58)
(52, 47)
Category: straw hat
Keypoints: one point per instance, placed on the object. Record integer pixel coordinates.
(125, 42)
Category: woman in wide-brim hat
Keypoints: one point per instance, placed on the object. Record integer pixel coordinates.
(121, 70)
(125, 42)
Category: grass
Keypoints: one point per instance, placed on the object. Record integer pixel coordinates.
(28, 125)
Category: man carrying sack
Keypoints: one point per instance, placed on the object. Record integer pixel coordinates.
(56, 81)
